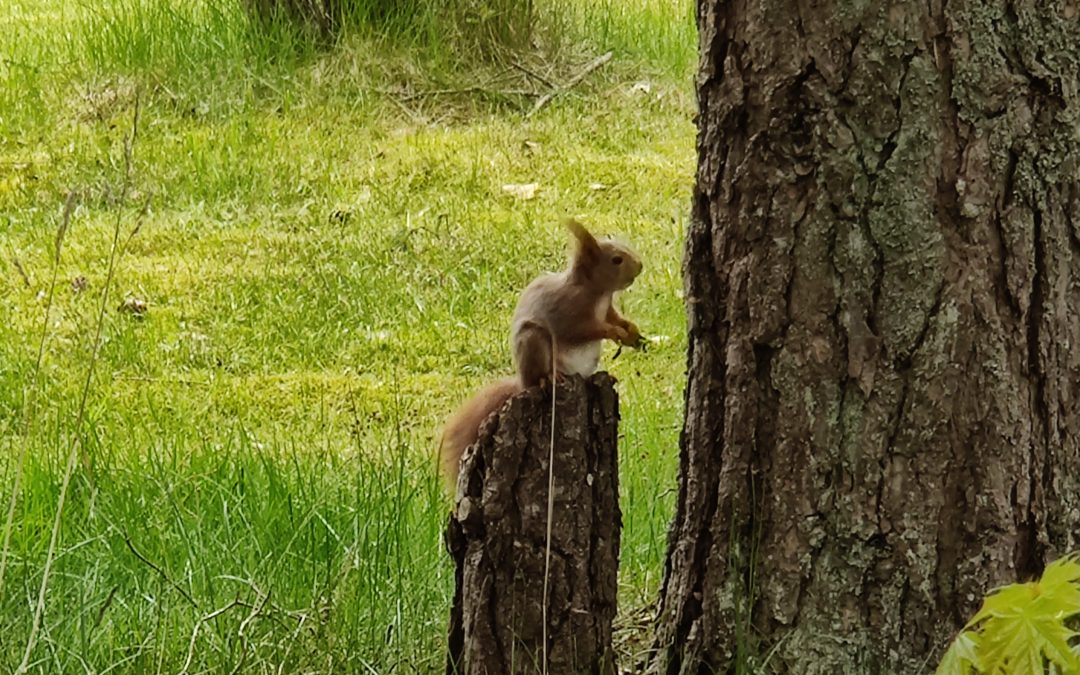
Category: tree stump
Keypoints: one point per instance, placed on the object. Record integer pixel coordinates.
(497, 535)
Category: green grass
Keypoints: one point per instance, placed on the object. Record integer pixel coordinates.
(329, 269)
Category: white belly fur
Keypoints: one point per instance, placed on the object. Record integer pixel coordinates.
(584, 359)
(581, 360)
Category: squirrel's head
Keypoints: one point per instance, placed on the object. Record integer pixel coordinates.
(605, 263)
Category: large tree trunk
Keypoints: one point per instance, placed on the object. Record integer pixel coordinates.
(883, 287)
(498, 531)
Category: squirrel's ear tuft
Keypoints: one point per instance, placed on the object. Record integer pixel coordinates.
(586, 241)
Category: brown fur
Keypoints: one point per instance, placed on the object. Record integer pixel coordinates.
(557, 327)
(463, 426)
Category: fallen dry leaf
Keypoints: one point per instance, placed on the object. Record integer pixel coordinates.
(521, 190)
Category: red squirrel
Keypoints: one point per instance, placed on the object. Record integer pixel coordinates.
(562, 317)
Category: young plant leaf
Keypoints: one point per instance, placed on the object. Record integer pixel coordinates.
(1022, 628)
(961, 655)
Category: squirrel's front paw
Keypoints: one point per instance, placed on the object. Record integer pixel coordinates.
(617, 333)
(633, 336)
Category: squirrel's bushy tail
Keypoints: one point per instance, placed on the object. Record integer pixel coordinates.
(463, 427)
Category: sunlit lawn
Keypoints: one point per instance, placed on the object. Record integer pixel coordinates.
(327, 269)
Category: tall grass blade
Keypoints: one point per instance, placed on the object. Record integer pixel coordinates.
(77, 449)
(30, 393)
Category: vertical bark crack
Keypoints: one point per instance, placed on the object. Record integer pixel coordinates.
(1029, 556)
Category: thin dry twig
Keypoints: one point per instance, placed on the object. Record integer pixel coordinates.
(61, 232)
(170, 380)
(488, 86)
(21, 271)
(293, 639)
(104, 608)
(198, 625)
(574, 81)
(412, 114)
(296, 615)
(535, 75)
(139, 219)
(632, 638)
(256, 611)
(475, 89)
(164, 575)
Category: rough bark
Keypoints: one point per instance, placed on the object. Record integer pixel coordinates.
(883, 285)
(498, 531)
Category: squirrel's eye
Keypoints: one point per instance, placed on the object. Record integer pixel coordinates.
(617, 260)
